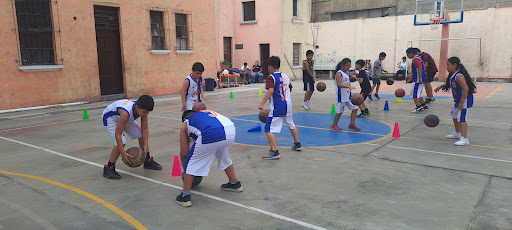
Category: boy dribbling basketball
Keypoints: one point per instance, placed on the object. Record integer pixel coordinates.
(192, 88)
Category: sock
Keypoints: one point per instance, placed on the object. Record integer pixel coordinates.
(111, 164)
(352, 123)
(185, 193)
(274, 151)
(147, 156)
(233, 181)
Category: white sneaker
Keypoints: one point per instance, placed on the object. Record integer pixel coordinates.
(305, 105)
(454, 135)
(462, 141)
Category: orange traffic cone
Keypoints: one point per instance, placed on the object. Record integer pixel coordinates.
(396, 131)
(176, 167)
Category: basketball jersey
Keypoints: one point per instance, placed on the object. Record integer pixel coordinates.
(193, 93)
(342, 94)
(457, 92)
(415, 71)
(305, 73)
(207, 127)
(111, 110)
(280, 102)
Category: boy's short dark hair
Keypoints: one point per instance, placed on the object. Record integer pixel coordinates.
(245, 63)
(412, 50)
(360, 62)
(382, 54)
(309, 52)
(186, 115)
(404, 57)
(275, 62)
(145, 102)
(198, 66)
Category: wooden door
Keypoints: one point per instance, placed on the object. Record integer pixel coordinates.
(228, 49)
(264, 56)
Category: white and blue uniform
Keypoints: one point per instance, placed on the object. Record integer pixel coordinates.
(193, 93)
(461, 115)
(214, 135)
(417, 88)
(343, 95)
(111, 118)
(280, 105)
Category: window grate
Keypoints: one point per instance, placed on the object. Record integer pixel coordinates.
(296, 54)
(181, 32)
(157, 30)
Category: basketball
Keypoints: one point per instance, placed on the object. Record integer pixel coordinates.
(321, 86)
(408, 79)
(263, 115)
(199, 106)
(138, 156)
(390, 81)
(399, 92)
(357, 99)
(197, 180)
(431, 120)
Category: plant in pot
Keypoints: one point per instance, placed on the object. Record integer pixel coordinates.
(225, 64)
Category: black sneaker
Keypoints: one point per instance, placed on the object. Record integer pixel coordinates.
(377, 96)
(363, 113)
(184, 201)
(110, 172)
(428, 100)
(272, 155)
(232, 187)
(424, 106)
(151, 164)
(370, 97)
(297, 146)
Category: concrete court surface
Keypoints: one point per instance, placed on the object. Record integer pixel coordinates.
(51, 170)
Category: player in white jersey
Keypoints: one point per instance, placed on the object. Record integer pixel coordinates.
(120, 117)
(192, 88)
(343, 95)
(278, 94)
(214, 135)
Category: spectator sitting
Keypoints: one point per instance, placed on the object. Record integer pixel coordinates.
(402, 67)
(245, 73)
(256, 72)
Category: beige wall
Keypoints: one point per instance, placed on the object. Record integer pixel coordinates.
(144, 73)
(224, 25)
(366, 38)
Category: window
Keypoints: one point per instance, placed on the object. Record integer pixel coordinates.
(438, 6)
(295, 8)
(35, 31)
(181, 32)
(157, 30)
(296, 54)
(249, 11)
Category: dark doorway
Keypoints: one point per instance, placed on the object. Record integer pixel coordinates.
(109, 49)
(227, 49)
(264, 56)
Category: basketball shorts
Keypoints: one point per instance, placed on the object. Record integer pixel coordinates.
(376, 80)
(430, 76)
(309, 86)
(416, 90)
(365, 93)
(274, 124)
(460, 115)
(341, 106)
(200, 156)
(132, 129)
(190, 104)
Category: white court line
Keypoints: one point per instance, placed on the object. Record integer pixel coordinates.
(396, 115)
(443, 153)
(168, 118)
(34, 126)
(271, 214)
(178, 97)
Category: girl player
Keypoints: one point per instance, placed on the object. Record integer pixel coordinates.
(462, 90)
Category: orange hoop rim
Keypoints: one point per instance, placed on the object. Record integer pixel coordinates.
(436, 20)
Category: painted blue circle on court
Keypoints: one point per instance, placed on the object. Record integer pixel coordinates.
(313, 130)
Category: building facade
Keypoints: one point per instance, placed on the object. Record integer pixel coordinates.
(80, 50)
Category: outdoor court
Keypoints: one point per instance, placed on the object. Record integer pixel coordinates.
(51, 164)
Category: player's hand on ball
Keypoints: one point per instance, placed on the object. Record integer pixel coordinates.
(125, 157)
(260, 107)
(184, 108)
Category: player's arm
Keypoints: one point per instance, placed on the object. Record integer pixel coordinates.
(202, 92)
(338, 82)
(184, 89)
(305, 65)
(123, 119)
(269, 93)
(184, 144)
(439, 88)
(418, 65)
(425, 62)
(465, 90)
(144, 126)
(375, 70)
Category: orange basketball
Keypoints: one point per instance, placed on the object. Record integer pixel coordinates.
(138, 156)
(357, 99)
(263, 115)
(399, 92)
(321, 86)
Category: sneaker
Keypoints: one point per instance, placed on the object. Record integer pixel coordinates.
(454, 135)
(432, 100)
(297, 146)
(427, 100)
(354, 127)
(232, 187)
(363, 113)
(377, 96)
(424, 107)
(417, 110)
(184, 201)
(151, 164)
(367, 112)
(370, 97)
(110, 172)
(335, 127)
(305, 105)
(272, 155)
(462, 141)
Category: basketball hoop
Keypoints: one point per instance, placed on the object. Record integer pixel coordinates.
(435, 23)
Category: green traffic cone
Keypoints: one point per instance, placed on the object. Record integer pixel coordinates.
(333, 110)
(86, 116)
(231, 95)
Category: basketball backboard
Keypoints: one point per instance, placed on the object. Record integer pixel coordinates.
(450, 11)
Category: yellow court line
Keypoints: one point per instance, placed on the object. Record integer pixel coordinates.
(118, 211)
(482, 146)
(496, 90)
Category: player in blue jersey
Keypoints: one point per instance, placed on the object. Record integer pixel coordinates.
(278, 95)
(120, 117)
(462, 90)
(419, 78)
(214, 135)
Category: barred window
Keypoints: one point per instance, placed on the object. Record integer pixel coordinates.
(249, 11)
(181, 32)
(296, 54)
(35, 31)
(157, 30)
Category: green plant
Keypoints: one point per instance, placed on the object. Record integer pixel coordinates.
(225, 62)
